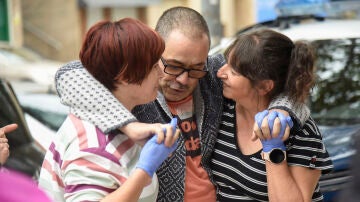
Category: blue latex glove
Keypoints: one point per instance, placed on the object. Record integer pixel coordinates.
(153, 154)
(277, 142)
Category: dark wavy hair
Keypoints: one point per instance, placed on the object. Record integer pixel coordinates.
(266, 54)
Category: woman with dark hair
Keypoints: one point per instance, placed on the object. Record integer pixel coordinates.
(85, 163)
(260, 65)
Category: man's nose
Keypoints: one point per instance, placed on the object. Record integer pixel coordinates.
(183, 78)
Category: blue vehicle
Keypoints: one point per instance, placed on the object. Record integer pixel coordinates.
(339, 141)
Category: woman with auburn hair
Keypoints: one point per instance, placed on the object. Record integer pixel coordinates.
(86, 163)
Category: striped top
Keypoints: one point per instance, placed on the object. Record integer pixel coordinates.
(84, 164)
(243, 177)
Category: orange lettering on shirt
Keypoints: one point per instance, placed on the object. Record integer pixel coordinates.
(192, 144)
(186, 126)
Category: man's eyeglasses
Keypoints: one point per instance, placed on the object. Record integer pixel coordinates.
(177, 71)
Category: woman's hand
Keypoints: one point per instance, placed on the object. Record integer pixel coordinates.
(272, 125)
(4, 146)
(154, 153)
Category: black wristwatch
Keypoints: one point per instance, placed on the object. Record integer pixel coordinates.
(275, 155)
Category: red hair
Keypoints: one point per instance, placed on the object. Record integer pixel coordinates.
(126, 49)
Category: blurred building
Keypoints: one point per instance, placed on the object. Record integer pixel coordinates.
(55, 28)
(10, 23)
(51, 28)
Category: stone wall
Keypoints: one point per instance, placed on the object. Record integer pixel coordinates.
(52, 28)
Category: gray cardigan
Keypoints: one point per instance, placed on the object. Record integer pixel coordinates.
(91, 101)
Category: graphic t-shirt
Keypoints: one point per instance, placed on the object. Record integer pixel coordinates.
(198, 186)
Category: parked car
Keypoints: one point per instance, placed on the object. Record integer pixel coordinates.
(335, 100)
(44, 114)
(26, 155)
(23, 65)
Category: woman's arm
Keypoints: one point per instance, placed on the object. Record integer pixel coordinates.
(296, 178)
(90, 177)
(291, 183)
(130, 191)
(151, 157)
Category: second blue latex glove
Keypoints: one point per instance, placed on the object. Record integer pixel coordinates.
(277, 142)
(153, 154)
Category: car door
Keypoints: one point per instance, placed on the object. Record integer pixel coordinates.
(26, 155)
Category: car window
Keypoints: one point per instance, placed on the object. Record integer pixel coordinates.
(10, 112)
(46, 108)
(336, 96)
(51, 119)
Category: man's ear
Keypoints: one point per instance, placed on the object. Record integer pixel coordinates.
(265, 86)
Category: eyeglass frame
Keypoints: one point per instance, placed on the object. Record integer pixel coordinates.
(183, 69)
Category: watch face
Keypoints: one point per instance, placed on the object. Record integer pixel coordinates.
(277, 156)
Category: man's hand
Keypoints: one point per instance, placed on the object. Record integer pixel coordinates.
(142, 132)
(271, 125)
(4, 146)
